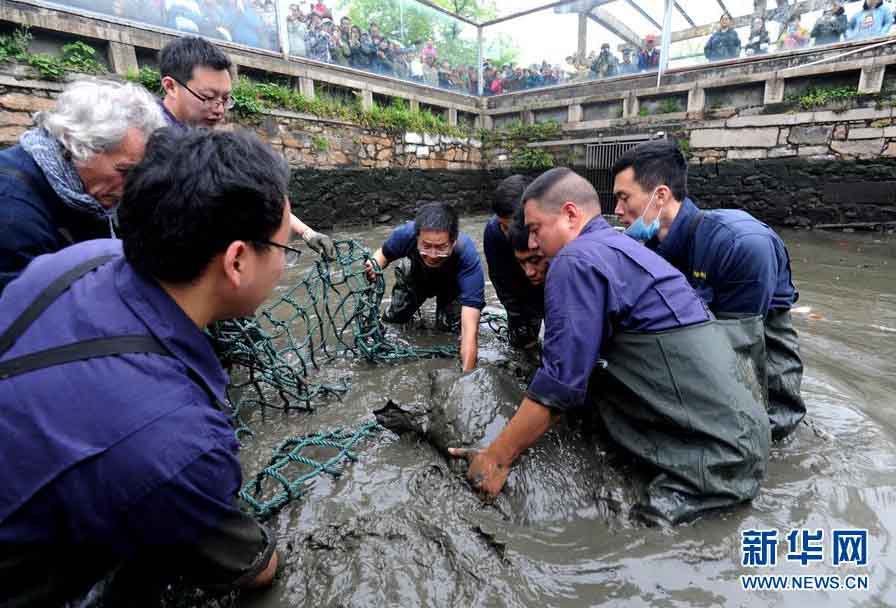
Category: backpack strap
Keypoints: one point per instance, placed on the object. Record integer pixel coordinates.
(81, 351)
(76, 351)
(45, 298)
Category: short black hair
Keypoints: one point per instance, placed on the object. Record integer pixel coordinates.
(437, 216)
(180, 56)
(656, 163)
(518, 235)
(508, 195)
(193, 194)
(554, 187)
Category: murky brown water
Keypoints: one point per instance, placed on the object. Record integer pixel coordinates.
(400, 528)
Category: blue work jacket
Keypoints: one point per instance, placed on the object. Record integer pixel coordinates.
(601, 283)
(125, 452)
(736, 263)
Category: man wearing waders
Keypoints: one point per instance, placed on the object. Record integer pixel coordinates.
(737, 264)
(435, 259)
(522, 299)
(625, 334)
(117, 456)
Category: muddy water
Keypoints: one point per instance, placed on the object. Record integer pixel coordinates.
(401, 527)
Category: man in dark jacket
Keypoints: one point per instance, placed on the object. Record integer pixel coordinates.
(63, 181)
(523, 301)
(724, 43)
(737, 264)
(831, 26)
(123, 455)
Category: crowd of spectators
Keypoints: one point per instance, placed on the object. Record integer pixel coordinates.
(874, 19)
(315, 33)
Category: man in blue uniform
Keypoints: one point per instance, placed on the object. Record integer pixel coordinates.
(197, 84)
(115, 450)
(436, 260)
(738, 265)
(664, 390)
(523, 301)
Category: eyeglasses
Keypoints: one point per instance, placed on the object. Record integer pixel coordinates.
(227, 102)
(292, 255)
(441, 251)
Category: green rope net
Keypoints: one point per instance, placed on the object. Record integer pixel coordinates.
(332, 313)
(297, 462)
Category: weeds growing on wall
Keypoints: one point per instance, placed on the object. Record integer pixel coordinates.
(253, 98)
(820, 97)
(73, 57)
(514, 139)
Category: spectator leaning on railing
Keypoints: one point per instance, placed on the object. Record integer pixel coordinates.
(875, 19)
(830, 27)
(724, 43)
(759, 41)
(794, 35)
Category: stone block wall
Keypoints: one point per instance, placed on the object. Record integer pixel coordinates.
(800, 192)
(858, 133)
(307, 141)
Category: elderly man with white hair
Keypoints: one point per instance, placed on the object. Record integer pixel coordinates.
(61, 184)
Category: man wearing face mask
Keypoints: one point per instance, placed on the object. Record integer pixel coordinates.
(626, 336)
(435, 260)
(738, 265)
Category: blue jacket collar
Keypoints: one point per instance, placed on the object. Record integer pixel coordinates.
(169, 323)
(676, 245)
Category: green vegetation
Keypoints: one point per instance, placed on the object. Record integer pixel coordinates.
(515, 137)
(819, 97)
(74, 57)
(253, 98)
(412, 24)
(685, 146)
(669, 106)
(320, 143)
(148, 77)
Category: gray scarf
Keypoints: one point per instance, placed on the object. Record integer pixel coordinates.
(50, 156)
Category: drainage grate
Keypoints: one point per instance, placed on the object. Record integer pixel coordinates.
(599, 159)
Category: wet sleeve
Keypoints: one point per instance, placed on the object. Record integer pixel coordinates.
(396, 246)
(470, 278)
(574, 329)
(746, 277)
(194, 521)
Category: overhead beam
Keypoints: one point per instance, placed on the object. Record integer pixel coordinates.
(616, 26)
(724, 8)
(684, 14)
(644, 14)
(537, 9)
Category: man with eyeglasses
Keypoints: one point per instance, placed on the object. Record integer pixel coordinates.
(197, 84)
(435, 260)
